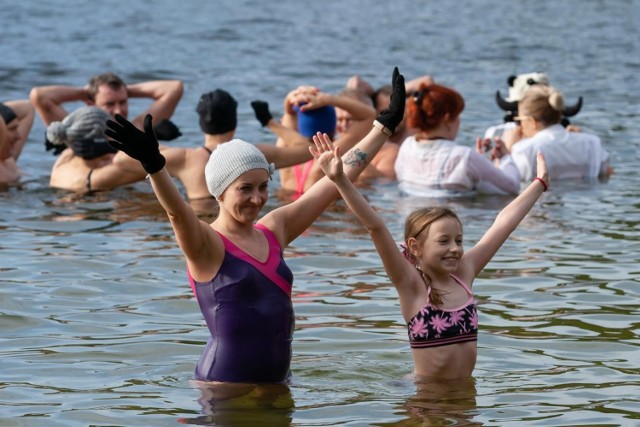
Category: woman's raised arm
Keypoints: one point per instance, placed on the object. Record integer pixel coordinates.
(289, 221)
(197, 240)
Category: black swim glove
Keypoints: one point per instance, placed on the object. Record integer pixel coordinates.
(142, 146)
(392, 116)
(261, 108)
(166, 130)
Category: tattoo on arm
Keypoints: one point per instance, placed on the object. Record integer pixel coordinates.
(356, 158)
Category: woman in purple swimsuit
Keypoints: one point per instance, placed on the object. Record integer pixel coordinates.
(236, 264)
(434, 275)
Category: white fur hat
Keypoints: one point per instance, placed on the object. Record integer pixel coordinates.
(521, 83)
(230, 160)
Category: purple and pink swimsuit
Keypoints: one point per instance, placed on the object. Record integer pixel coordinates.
(248, 310)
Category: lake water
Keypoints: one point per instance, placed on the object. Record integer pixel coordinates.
(98, 323)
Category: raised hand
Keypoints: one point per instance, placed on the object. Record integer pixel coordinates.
(542, 170)
(142, 146)
(313, 101)
(298, 96)
(391, 117)
(261, 109)
(327, 156)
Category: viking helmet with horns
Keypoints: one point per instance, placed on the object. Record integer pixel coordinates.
(518, 85)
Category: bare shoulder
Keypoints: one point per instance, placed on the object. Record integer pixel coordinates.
(69, 172)
(465, 271)
(66, 160)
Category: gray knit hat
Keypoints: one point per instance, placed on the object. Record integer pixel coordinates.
(82, 131)
(230, 160)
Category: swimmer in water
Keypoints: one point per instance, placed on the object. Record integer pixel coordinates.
(434, 276)
(236, 264)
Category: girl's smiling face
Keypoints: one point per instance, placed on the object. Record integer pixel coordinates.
(440, 251)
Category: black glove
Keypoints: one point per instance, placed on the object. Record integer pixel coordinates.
(261, 108)
(166, 130)
(142, 146)
(392, 116)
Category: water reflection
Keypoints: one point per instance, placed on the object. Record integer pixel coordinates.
(440, 403)
(227, 404)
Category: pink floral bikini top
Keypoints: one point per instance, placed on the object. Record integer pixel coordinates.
(433, 327)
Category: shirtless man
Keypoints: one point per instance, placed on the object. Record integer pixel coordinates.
(109, 93)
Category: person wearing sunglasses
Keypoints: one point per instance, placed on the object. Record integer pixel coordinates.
(539, 128)
(518, 86)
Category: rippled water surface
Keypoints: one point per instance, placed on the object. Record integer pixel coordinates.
(98, 324)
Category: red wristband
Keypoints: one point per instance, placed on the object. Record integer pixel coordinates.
(544, 184)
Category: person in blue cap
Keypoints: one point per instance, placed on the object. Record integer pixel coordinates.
(310, 110)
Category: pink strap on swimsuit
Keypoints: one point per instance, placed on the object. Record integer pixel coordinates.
(301, 173)
(269, 267)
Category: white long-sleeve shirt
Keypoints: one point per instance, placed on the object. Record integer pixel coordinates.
(567, 154)
(428, 168)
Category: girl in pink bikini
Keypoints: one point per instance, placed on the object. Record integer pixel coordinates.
(433, 275)
(236, 263)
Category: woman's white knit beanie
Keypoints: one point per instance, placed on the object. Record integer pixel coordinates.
(230, 160)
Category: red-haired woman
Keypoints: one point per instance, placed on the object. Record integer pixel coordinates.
(430, 163)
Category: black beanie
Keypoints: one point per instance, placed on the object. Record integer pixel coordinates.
(218, 112)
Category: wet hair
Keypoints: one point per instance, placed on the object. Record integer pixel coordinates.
(109, 79)
(417, 226)
(543, 103)
(431, 104)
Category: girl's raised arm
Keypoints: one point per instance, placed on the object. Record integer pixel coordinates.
(401, 273)
(507, 221)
